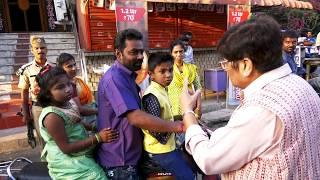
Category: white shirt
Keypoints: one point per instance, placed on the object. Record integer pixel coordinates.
(250, 133)
(318, 40)
(188, 55)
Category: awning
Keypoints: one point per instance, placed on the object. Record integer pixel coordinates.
(203, 1)
(266, 2)
(285, 3)
(297, 4)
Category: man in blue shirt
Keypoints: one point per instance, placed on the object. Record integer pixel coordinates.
(289, 42)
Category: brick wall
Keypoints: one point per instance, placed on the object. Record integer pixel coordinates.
(96, 60)
(205, 58)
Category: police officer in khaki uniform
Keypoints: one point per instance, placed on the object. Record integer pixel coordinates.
(27, 83)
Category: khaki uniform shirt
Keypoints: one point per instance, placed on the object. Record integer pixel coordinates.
(27, 77)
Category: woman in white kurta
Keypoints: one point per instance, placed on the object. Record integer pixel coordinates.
(274, 132)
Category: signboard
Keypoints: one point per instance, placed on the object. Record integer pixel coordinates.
(133, 14)
(128, 15)
(237, 14)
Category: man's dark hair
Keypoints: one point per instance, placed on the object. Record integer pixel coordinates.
(186, 36)
(289, 34)
(187, 33)
(175, 43)
(48, 77)
(155, 59)
(258, 39)
(127, 34)
(63, 58)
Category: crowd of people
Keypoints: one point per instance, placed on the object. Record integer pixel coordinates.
(129, 135)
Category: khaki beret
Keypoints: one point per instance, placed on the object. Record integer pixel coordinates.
(37, 41)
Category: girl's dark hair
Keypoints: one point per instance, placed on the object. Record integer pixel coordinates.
(175, 43)
(155, 59)
(47, 77)
(63, 58)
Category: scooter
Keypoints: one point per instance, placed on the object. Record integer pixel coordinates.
(32, 171)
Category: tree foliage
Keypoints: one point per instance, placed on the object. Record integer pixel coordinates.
(299, 20)
(315, 4)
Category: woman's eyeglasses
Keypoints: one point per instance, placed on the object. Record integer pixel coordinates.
(224, 64)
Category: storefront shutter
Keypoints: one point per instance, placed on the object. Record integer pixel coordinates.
(207, 27)
(102, 28)
(162, 28)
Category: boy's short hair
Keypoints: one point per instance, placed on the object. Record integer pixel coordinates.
(63, 58)
(155, 59)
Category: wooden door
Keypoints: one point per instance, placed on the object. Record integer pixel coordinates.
(25, 15)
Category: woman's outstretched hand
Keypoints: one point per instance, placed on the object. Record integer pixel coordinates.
(188, 103)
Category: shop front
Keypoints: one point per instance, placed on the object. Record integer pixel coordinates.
(18, 16)
(97, 25)
(165, 22)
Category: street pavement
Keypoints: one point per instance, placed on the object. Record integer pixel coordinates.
(28, 152)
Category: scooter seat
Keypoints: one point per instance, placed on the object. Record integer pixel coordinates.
(34, 171)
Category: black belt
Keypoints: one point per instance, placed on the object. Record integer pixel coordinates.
(35, 103)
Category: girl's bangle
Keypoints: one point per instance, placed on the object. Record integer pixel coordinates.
(98, 138)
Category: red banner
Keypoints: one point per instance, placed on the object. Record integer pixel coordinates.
(133, 14)
(237, 14)
(127, 14)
